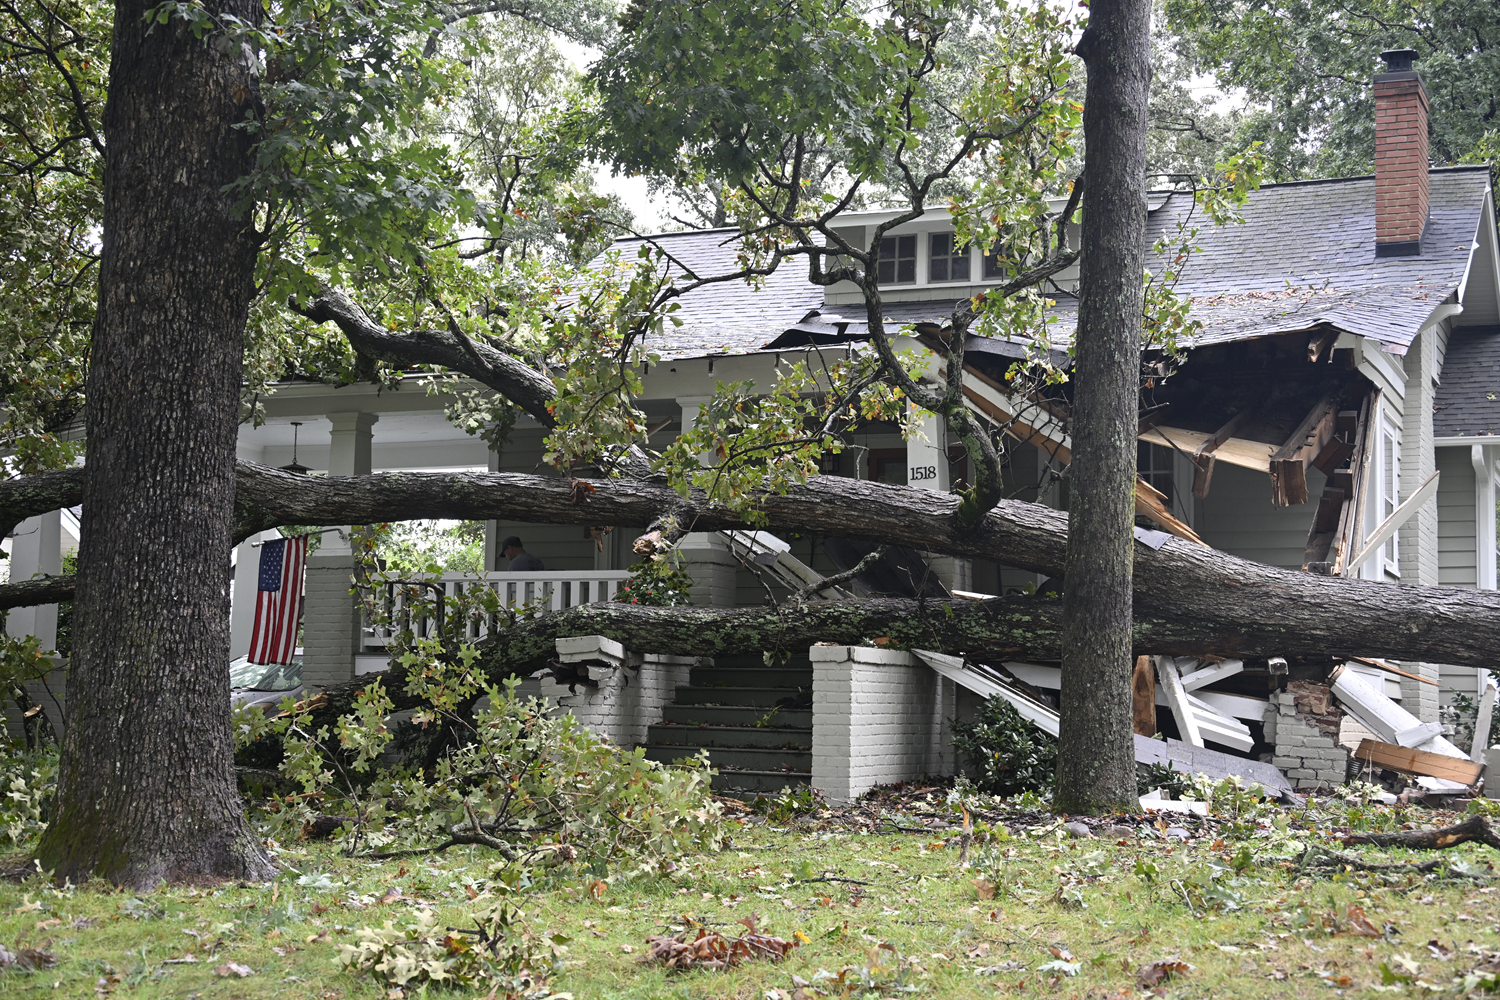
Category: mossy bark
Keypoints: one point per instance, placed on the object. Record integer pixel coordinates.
(1096, 757)
(1188, 598)
(146, 790)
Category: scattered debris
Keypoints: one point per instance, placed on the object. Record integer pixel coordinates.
(233, 969)
(1154, 974)
(27, 959)
(712, 950)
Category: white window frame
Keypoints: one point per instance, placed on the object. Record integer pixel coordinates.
(1387, 492)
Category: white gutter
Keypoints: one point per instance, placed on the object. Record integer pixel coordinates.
(1465, 442)
(1442, 312)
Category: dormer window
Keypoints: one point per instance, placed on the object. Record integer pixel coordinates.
(898, 260)
(994, 265)
(948, 263)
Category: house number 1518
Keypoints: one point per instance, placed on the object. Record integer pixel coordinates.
(923, 472)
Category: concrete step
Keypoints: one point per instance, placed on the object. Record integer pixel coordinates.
(729, 736)
(739, 758)
(734, 782)
(767, 696)
(739, 715)
(790, 677)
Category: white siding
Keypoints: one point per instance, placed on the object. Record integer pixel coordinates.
(1455, 502)
(1238, 517)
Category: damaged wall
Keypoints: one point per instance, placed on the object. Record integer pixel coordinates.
(1302, 723)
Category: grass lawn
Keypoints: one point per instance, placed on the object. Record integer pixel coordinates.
(874, 896)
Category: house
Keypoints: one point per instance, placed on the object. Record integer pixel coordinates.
(1349, 350)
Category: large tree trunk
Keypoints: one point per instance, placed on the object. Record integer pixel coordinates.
(147, 789)
(1188, 598)
(1096, 754)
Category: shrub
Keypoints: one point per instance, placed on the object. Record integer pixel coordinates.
(522, 780)
(1006, 754)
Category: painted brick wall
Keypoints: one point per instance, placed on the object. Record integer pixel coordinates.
(626, 701)
(330, 624)
(1309, 752)
(879, 716)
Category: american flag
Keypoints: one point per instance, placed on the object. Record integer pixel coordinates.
(278, 600)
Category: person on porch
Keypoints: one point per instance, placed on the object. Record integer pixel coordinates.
(521, 561)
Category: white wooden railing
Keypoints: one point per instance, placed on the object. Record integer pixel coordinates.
(553, 591)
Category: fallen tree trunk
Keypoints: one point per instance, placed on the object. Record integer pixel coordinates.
(1189, 599)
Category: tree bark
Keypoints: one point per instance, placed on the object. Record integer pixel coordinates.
(146, 788)
(1096, 757)
(1189, 599)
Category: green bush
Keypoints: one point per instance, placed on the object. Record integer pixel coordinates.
(1006, 754)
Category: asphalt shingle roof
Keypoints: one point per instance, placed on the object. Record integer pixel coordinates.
(1467, 402)
(728, 317)
(1304, 257)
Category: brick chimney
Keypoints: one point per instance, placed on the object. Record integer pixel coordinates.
(1400, 156)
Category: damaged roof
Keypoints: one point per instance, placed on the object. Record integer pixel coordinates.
(1467, 403)
(1302, 259)
(1305, 257)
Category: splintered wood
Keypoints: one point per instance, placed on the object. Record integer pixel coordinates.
(1409, 760)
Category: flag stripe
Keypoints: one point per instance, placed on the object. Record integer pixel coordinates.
(278, 600)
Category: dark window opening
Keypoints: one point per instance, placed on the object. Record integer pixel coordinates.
(948, 263)
(1153, 463)
(994, 264)
(898, 260)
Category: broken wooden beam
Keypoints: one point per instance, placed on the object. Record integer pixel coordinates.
(1152, 503)
(1409, 760)
(1247, 454)
(1203, 455)
(1143, 696)
(1289, 463)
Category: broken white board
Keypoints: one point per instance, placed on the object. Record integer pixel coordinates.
(953, 668)
(1197, 760)
(764, 549)
(1389, 721)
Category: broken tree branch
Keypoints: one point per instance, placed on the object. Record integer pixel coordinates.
(1474, 830)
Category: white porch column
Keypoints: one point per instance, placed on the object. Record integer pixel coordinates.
(927, 469)
(706, 555)
(330, 617)
(492, 554)
(36, 548)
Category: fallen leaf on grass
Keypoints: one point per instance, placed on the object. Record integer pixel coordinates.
(712, 950)
(233, 969)
(1156, 973)
(986, 890)
(42, 925)
(28, 959)
(1360, 925)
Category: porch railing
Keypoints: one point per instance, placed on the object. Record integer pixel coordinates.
(553, 591)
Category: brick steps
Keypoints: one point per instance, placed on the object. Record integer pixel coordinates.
(786, 737)
(769, 697)
(758, 759)
(753, 720)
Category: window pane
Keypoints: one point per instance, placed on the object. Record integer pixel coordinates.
(961, 268)
(994, 266)
(906, 270)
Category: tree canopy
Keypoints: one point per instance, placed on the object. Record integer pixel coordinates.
(1305, 66)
